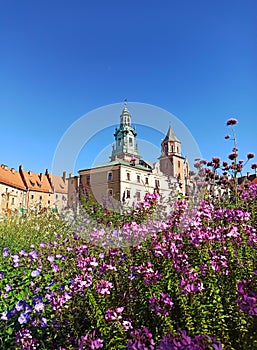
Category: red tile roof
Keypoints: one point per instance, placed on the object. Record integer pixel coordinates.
(36, 182)
(11, 177)
(58, 183)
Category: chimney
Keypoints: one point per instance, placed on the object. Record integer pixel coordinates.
(64, 176)
(40, 176)
(46, 172)
(13, 170)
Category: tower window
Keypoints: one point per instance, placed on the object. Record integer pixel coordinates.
(130, 142)
(172, 149)
(110, 176)
(119, 141)
(179, 163)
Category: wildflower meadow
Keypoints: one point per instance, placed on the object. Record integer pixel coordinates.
(176, 274)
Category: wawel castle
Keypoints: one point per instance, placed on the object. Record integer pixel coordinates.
(126, 178)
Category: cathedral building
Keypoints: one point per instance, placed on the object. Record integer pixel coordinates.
(126, 178)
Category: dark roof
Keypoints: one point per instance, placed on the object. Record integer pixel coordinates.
(171, 136)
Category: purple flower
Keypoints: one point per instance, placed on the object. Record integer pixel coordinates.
(55, 267)
(182, 341)
(49, 296)
(126, 325)
(141, 339)
(15, 258)
(23, 253)
(60, 300)
(50, 258)
(20, 305)
(23, 318)
(103, 287)
(38, 303)
(43, 322)
(26, 340)
(5, 316)
(8, 287)
(80, 283)
(247, 298)
(162, 305)
(1, 275)
(6, 251)
(35, 273)
(39, 322)
(33, 255)
(101, 255)
(90, 341)
(112, 314)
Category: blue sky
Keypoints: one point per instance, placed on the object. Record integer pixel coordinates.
(62, 59)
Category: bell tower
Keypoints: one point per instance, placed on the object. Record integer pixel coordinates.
(125, 147)
(172, 162)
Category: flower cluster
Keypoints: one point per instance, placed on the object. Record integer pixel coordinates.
(141, 339)
(182, 341)
(161, 305)
(246, 298)
(189, 269)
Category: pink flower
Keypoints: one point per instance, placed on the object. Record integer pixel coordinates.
(250, 155)
(232, 156)
(232, 121)
(103, 287)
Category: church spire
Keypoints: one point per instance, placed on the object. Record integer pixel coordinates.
(125, 138)
(171, 144)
